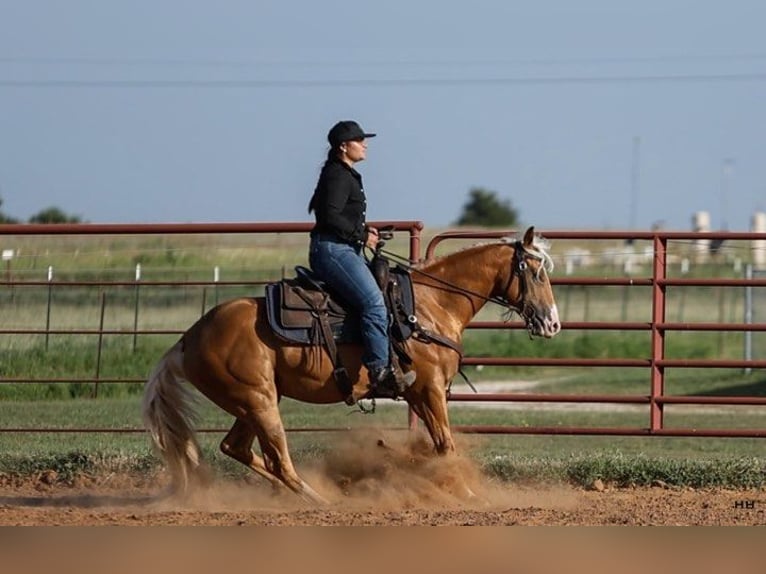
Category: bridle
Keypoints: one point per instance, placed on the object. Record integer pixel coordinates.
(518, 268)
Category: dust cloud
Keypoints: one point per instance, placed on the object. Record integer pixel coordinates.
(381, 471)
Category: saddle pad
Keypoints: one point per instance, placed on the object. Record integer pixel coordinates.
(298, 305)
(288, 315)
(345, 329)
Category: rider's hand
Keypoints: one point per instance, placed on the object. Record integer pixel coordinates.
(372, 238)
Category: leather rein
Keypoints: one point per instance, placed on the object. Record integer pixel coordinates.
(518, 266)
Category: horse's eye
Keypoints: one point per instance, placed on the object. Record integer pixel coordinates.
(522, 265)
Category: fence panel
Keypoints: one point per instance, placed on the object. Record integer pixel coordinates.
(668, 269)
(661, 285)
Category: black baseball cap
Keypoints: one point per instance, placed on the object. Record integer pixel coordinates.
(346, 130)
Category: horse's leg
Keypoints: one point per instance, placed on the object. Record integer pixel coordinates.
(238, 445)
(273, 441)
(430, 404)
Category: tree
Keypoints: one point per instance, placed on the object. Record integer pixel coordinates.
(53, 215)
(484, 209)
(6, 218)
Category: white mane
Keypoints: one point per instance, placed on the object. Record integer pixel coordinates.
(540, 248)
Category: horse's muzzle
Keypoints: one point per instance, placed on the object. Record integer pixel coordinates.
(542, 323)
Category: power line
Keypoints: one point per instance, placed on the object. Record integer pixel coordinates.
(389, 82)
(86, 61)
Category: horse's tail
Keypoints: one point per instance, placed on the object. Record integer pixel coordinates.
(168, 415)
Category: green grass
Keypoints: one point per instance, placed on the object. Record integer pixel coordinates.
(691, 461)
(78, 358)
(601, 344)
(637, 470)
(126, 357)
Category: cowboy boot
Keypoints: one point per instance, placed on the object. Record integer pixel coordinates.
(404, 378)
(390, 382)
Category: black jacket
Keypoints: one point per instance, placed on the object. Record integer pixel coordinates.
(339, 203)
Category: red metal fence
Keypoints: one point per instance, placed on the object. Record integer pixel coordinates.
(660, 258)
(658, 327)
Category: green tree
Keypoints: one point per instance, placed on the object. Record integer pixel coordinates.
(484, 209)
(54, 215)
(6, 218)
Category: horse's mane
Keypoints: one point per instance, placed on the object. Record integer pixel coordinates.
(540, 248)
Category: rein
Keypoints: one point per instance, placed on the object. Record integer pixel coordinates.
(518, 247)
(518, 265)
(430, 336)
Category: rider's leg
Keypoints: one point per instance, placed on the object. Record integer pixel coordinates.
(345, 270)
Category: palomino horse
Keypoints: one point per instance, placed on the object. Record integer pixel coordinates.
(231, 355)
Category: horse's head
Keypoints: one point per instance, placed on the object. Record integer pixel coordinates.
(527, 288)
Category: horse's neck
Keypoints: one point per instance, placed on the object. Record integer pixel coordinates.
(461, 283)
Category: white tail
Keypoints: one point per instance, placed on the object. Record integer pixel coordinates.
(168, 415)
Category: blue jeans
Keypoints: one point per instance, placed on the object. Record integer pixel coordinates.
(344, 269)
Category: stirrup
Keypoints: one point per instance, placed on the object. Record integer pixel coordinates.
(390, 382)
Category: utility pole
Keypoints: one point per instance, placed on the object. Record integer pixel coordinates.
(726, 170)
(634, 181)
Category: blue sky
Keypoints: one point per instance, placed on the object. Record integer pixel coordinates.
(584, 114)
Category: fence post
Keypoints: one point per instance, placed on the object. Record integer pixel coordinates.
(748, 319)
(682, 303)
(100, 343)
(721, 293)
(586, 303)
(135, 310)
(627, 270)
(48, 308)
(7, 257)
(659, 272)
(216, 278)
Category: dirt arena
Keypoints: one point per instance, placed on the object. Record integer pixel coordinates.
(385, 485)
(231, 505)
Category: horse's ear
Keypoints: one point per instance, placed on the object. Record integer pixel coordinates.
(529, 236)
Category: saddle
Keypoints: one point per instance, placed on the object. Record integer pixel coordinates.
(303, 311)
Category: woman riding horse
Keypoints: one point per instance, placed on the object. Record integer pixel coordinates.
(336, 257)
(232, 356)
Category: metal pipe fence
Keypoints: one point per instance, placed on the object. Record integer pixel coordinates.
(662, 265)
(658, 327)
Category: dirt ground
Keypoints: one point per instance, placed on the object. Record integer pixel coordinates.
(241, 505)
(388, 485)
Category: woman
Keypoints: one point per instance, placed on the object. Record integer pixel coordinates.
(336, 251)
